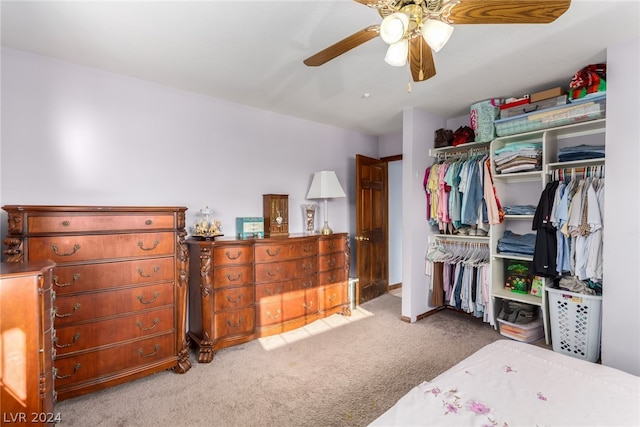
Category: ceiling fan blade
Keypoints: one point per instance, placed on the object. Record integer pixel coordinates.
(420, 60)
(343, 46)
(507, 11)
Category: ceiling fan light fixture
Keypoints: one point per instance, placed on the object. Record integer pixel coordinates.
(397, 53)
(436, 33)
(394, 27)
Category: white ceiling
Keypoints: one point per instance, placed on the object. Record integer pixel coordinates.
(251, 52)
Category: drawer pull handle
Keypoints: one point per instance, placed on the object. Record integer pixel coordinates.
(307, 266)
(148, 222)
(307, 248)
(233, 279)
(76, 277)
(308, 307)
(156, 268)
(76, 307)
(332, 245)
(66, 223)
(332, 298)
(308, 284)
(54, 248)
(76, 368)
(155, 245)
(274, 316)
(270, 292)
(76, 337)
(235, 300)
(155, 322)
(234, 325)
(155, 351)
(271, 273)
(231, 257)
(155, 297)
(273, 254)
(332, 262)
(332, 278)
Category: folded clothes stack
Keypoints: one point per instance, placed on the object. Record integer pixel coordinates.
(518, 157)
(580, 152)
(519, 210)
(517, 244)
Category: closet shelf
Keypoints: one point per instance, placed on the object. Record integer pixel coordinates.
(550, 167)
(508, 256)
(514, 296)
(461, 237)
(518, 176)
(435, 152)
(519, 217)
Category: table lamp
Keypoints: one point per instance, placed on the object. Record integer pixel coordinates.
(325, 185)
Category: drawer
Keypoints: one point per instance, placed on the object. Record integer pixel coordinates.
(232, 276)
(276, 290)
(74, 338)
(109, 361)
(234, 322)
(333, 296)
(230, 255)
(64, 249)
(277, 271)
(294, 304)
(90, 277)
(336, 244)
(75, 308)
(282, 251)
(331, 261)
(333, 276)
(69, 223)
(233, 298)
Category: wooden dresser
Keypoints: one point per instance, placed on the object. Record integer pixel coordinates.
(120, 289)
(244, 289)
(26, 353)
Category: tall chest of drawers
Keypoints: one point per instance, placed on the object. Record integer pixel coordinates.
(26, 335)
(244, 289)
(120, 289)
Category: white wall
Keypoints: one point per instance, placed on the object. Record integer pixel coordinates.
(395, 222)
(77, 135)
(621, 269)
(418, 130)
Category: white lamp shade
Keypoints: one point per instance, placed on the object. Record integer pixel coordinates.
(394, 27)
(325, 185)
(397, 53)
(436, 33)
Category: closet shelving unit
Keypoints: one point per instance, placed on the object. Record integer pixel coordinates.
(522, 188)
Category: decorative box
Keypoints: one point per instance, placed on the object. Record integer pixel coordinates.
(250, 227)
(275, 209)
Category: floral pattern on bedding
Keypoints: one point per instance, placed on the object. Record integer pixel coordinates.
(454, 404)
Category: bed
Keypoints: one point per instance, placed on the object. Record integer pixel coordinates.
(510, 383)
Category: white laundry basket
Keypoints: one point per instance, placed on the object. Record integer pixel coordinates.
(575, 323)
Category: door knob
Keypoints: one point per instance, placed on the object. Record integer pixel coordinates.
(362, 238)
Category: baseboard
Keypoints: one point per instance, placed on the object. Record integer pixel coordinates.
(395, 286)
(423, 315)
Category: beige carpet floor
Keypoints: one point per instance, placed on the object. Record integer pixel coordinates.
(339, 371)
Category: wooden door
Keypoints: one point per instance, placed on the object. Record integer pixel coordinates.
(372, 255)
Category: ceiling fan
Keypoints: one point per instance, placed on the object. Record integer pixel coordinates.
(413, 28)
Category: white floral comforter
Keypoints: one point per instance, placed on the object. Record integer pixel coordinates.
(509, 383)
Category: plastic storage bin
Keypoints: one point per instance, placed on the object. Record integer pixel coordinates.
(576, 112)
(526, 333)
(575, 321)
